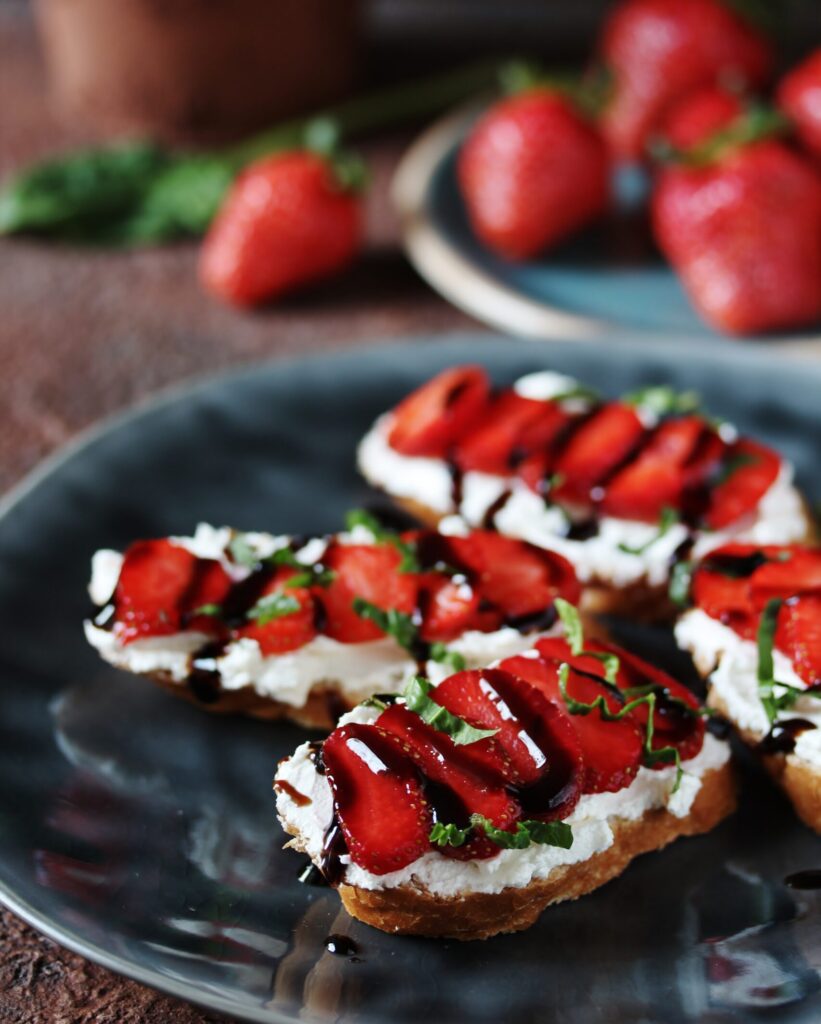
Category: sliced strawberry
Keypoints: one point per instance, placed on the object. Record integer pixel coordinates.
(789, 571)
(434, 416)
(515, 577)
(656, 478)
(752, 469)
(379, 798)
(449, 607)
(277, 633)
(210, 586)
(457, 785)
(370, 572)
(611, 751)
(672, 725)
(540, 745)
(511, 429)
(154, 580)
(596, 450)
(799, 636)
(721, 587)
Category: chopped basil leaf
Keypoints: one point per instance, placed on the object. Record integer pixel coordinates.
(579, 391)
(207, 609)
(308, 575)
(448, 835)
(241, 551)
(374, 702)
(440, 653)
(575, 637)
(393, 623)
(382, 535)
(545, 833)
(663, 400)
(669, 517)
(772, 703)
(273, 606)
(417, 700)
(681, 579)
(650, 756)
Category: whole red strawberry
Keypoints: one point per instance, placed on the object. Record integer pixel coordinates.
(532, 172)
(287, 221)
(744, 233)
(697, 117)
(659, 50)
(799, 96)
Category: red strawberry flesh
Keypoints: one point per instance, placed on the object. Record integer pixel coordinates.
(433, 417)
(378, 796)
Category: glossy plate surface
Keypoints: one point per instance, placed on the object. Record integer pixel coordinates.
(140, 831)
(609, 279)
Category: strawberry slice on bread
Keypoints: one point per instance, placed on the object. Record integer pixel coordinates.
(464, 809)
(624, 489)
(308, 627)
(753, 627)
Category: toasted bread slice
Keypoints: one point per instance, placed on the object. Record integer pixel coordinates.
(605, 471)
(412, 910)
(379, 805)
(753, 636)
(283, 634)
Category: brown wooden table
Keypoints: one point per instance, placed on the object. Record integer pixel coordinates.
(85, 333)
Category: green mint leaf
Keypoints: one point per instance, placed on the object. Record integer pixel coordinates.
(241, 551)
(315, 575)
(448, 835)
(273, 606)
(440, 653)
(663, 400)
(374, 702)
(681, 579)
(648, 697)
(669, 517)
(574, 634)
(382, 535)
(392, 623)
(578, 392)
(417, 699)
(545, 833)
(207, 609)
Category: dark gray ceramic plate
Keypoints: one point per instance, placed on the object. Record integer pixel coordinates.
(140, 831)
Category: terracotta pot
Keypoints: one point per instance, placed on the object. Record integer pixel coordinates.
(196, 70)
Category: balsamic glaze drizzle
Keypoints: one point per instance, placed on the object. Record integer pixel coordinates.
(782, 736)
(809, 879)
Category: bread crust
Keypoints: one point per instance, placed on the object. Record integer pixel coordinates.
(412, 910)
(325, 703)
(800, 781)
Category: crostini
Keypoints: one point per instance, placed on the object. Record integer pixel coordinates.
(464, 809)
(305, 628)
(622, 489)
(754, 631)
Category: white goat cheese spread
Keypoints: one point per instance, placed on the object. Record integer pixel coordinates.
(592, 822)
(357, 670)
(731, 665)
(779, 518)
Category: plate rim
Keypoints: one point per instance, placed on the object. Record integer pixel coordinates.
(190, 386)
(479, 293)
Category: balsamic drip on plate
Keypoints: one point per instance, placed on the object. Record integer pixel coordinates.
(342, 945)
(809, 879)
